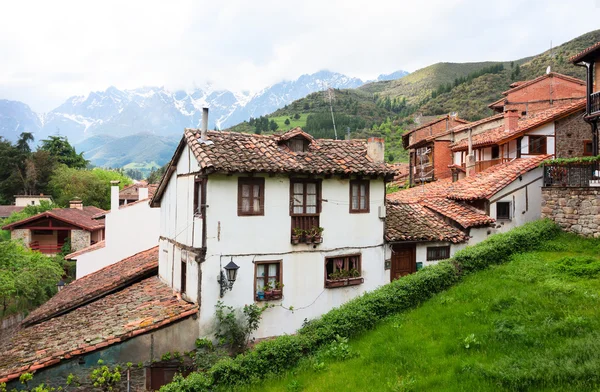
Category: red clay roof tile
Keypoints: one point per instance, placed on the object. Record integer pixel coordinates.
(82, 218)
(91, 248)
(584, 53)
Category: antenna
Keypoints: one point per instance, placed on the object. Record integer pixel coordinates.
(330, 95)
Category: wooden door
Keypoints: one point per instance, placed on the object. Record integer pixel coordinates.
(404, 261)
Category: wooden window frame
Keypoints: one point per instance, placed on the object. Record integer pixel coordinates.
(503, 218)
(437, 250)
(199, 196)
(530, 143)
(367, 208)
(252, 181)
(183, 275)
(585, 144)
(329, 284)
(304, 194)
(296, 141)
(279, 278)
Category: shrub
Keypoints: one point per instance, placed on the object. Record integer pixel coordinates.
(581, 266)
(364, 312)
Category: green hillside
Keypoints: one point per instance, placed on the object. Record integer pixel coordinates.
(385, 109)
(531, 324)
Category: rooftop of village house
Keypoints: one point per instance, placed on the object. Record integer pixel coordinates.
(80, 217)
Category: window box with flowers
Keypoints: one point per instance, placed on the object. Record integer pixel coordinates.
(268, 284)
(342, 271)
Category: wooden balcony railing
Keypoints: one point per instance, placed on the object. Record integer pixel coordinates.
(304, 222)
(48, 249)
(483, 165)
(572, 175)
(595, 103)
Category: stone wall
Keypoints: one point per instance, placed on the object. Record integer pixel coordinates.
(576, 210)
(21, 234)
(80, 239)
(571, 132)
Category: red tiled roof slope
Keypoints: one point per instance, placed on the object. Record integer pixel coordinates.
(426, 191)
(137, 309)
(463, 214)
(500, 134)
(581, 55)
(414, 222)
(91, 248)
(526, 83)
(99, 283)
(6, 211)
(131, 192)
(241, 152)
(488, 182)
(82, 218)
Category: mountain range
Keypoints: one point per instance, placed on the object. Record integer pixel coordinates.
(102, 123)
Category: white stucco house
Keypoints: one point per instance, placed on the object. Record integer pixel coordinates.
(431, 222)
(303, 219)
(129, 229)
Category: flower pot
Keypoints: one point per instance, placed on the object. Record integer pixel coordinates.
(260, 296)
(317, 239)
(295, 240)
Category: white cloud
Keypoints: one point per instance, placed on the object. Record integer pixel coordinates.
(52, 50)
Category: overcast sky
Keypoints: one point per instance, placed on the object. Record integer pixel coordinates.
(51, 50)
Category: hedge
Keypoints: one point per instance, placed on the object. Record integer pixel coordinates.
(366, 311)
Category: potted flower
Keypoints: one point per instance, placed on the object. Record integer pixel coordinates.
(260, 295)
(317, 234)
(277, 290)
(297, 234)
(268, 290)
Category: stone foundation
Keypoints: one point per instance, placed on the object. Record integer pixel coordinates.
(576, 210)
(21, 234)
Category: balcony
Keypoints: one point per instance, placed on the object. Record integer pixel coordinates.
(305, 229)
(47, 249)
(483, 165)
(572, 175)
(595, 103)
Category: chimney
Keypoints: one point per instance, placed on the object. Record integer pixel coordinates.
(376, 149)
(76, 203)
(114, 195)
(470, 159)
(142, 193)
(204, 124)
(511, 120)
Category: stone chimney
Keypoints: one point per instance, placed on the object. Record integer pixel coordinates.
(204, 129)
(142, 193)
(511, 120)
(76, 203)
(376, 149)
(114, 195)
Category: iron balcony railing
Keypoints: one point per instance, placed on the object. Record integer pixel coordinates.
(595, 103)
(572, 175)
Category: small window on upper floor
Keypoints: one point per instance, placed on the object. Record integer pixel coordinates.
(298, 144)
(503, 210)
(537, 145)
(359, 196)
(199, 196)
(587, 148)
(251, 196)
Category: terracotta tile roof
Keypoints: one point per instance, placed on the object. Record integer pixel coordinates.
(545, 76)
(6, 211)
(91, 248)
(241, 152)
(131, 192)
(485, 184)
(97, 284)
(419, 193)
(81, 218)
(500, 134)
(443, 118)
(463, 214)
(414, 222)
(584, 53)
(135, 310)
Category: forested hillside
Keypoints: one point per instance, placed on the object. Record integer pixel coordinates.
(387, 108)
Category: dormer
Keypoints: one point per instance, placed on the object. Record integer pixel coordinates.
(296, 140)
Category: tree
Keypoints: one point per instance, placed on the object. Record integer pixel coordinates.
(156, 174)
(59, 147)
(287, 121)
(306, 106)
(91, 186)
(273, 125)
(296, 116)
(27, 278)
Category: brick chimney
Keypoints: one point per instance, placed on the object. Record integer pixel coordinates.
(376, 149)
(511, 120)
(76, 203)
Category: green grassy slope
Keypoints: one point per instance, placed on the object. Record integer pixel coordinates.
(531, 324)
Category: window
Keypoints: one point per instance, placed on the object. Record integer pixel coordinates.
(199, 202)
(503, 210)
(268, 280)
(438, 253)
(42, 232)
(183, 272)
(297, 145)
(251, 196)
(587, 148)
(343, 271)
(306, 197)
(537, 145)
(359, 196)
(495, 152)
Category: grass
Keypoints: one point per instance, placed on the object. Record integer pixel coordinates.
(280, 120)
(531, 324)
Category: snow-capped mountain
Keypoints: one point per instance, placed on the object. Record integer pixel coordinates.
(393, 76)
(88, 121)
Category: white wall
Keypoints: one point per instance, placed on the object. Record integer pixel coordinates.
(546, 130)
(247, 239)
(129, 230)
(24, 201)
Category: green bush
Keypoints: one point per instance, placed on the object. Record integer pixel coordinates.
(582, 266)
(365, 311)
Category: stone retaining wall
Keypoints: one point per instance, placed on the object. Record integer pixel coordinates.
(576, 210)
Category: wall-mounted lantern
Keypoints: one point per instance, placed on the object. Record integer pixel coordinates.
(227, 277)
(60, 285)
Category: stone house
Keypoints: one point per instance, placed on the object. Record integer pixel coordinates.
(121, 313)
(48, 231)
